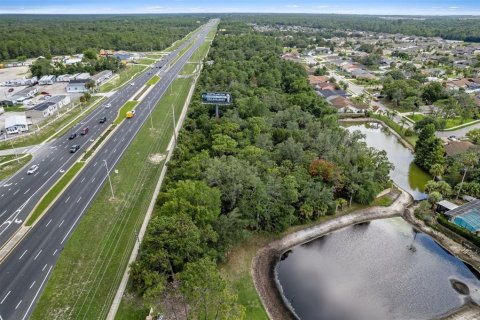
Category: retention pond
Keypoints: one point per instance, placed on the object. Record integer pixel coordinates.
(381, 270)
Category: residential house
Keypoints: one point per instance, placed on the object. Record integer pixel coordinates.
(315, 80)
(457, 147)
(466, 216)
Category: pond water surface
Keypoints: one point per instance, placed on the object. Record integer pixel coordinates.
(375, 271)
(406, 173)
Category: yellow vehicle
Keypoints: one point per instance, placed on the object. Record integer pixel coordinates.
(130, 114)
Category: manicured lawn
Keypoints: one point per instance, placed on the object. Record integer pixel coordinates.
(130, 105)
(450, 123)
(200, 53)
(124, 76)
(53, 128)
(92, 263)
(54, 192)
(153, 80)
(154, 56)
(9, 169)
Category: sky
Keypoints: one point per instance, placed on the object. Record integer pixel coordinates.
(378, 7)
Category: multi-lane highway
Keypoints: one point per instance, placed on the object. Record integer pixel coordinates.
(20, 193)
(24, 272)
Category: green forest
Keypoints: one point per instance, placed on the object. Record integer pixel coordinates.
(275, 158)
(27, 36)
(451, 27)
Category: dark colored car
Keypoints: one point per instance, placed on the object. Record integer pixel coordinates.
(103, 120)
(72, 136)
(74, 148)
(84, 131)
(10, 90)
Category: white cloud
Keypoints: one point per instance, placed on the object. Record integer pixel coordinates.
(295, 6)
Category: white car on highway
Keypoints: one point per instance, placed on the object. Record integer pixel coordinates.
(32, 169)
(108, 105)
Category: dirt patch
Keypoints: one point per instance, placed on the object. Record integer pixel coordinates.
(156, 158)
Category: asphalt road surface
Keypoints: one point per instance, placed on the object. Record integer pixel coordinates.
(25, 271)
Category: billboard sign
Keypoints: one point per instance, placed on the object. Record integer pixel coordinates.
(217, 98)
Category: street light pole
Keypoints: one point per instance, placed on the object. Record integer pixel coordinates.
(174, 127)
(14, 150)
(109, 180)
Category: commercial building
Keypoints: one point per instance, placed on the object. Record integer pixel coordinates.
(16, 124)
(49, 107)
(77, 85)
(101, 77)
(50, 79)
(22, 95)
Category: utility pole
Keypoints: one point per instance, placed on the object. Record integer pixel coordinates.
(14, 150)
(109, 180)
(174, 128)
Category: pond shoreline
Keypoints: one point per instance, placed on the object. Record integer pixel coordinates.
(404, 142)
(265, 260)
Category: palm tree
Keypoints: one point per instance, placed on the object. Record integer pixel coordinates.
(469, 160)
(437, 171)
(402, 122)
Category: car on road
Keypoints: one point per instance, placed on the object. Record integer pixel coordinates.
(84, 131)
(132, 84)
(72, 136)
(74, 148)
(44, 92)
(108, 105)
(130, 114)
(102, 120)
(32, 169)
(452, 138)
(10, 90)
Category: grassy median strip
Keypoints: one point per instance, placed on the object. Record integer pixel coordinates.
(51, 128)
(9, 169)
(54, 192)
(98, 142)
(123, 110)
(92, 263)
(153, 81)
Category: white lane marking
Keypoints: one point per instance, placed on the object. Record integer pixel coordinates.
(114, 150)
(48, 223)
(61, 223)
(1, 302)
(44, 267)
(54, 252)
(27, 191)
(67, 199)
(16, 192)
(3, 194)
(82, 180)
(61, 158)
(33, 283)
(77, 200)
(22, 178)
(45, 173)
(36, 294)
(17, 182)
(93, 179)
(3, 213)
(37, 255)
(18, 304)
(94, 164)
(22, 254)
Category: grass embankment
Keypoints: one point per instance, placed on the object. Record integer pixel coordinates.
(412, 140)
(9, 169)
(155, 55)
(93, 261)
(53, 193)
(52, 128)
(450, 123)
(201, 52)
(124, 76)
(153, 81)
(189, 68)
(130, 105)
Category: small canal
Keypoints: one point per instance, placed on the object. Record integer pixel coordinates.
(383, 269)
(406, 173)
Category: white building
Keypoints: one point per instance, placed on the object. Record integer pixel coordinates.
(101, 77)
(77, 86)
(50, 79)
(49, 107)
(82, 76)
(22, 95)
(16, 124)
